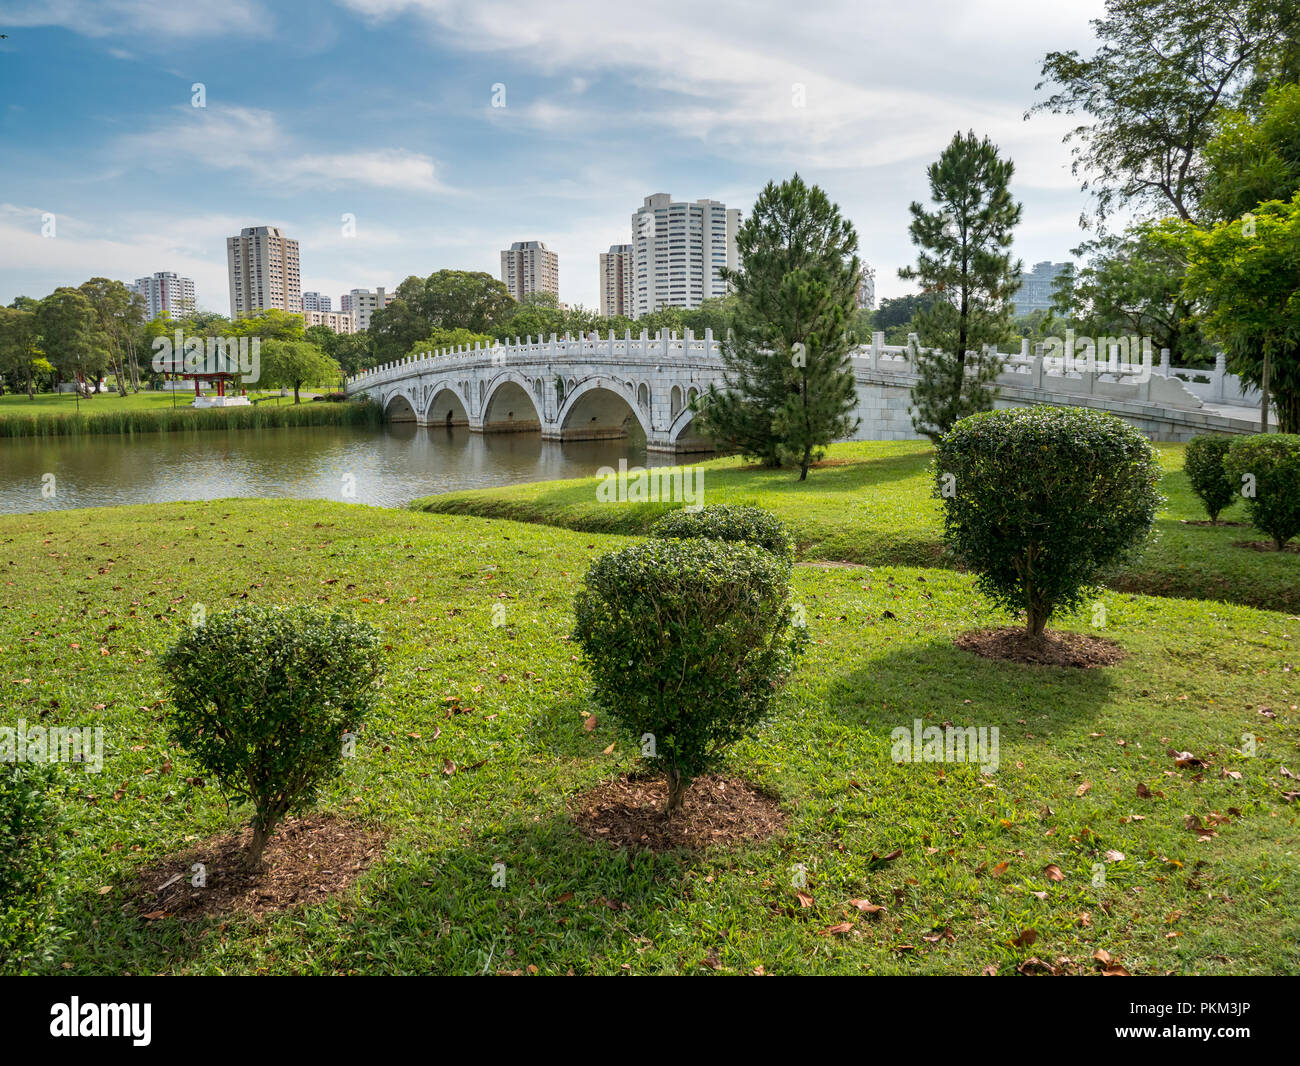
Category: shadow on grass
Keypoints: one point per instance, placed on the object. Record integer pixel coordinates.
(111, 936)
(531, 892)
(852, 476)
(935, 681)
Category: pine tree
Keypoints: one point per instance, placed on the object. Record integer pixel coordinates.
(789, 386)
(964, 261)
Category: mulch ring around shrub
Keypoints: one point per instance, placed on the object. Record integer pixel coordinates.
(307, 860)
(1014, 644)
(1266, 545)
(629, 813)
(1221, 524)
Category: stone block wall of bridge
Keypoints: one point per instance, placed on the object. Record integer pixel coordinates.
(642, 387)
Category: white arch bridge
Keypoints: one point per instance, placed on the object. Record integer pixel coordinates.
(592, 389)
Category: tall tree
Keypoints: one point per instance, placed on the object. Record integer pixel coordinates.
(19, 345)
(350, 350)
(293, 364)
(1246, 278)
(789, 388)
(1254, 157)
(72, 343)
(1151, 92)
(1133, 284)
(446, 299)
(964, 264)
(118, 312)
(269, 324)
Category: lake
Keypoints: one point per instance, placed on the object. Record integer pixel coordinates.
(390, 466)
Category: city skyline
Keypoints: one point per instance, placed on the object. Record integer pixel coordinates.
(433, 175)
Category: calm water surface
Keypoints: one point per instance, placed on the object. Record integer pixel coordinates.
(390, 466)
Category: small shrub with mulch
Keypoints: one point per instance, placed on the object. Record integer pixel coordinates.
(1042, 502)
(722, 810)
(1265, 469)
(1013, 644)
(741, 525)
(308, 860)
(1203, 464)
(263, 698)
(687, 642)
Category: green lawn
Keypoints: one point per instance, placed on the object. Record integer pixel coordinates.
(872, 504)
(53, 405)
(92, 597)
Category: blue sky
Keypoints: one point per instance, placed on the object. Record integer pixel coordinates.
(383, 109)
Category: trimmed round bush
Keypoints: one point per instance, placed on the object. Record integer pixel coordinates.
(687, 642)
(29, 860)
(745, 525)
(1265, 469)
(1203, 464)
(1043, 501)
(261, 698)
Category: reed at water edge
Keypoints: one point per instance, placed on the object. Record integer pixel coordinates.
(171, 420)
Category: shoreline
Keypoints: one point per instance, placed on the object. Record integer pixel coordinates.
(108, 422)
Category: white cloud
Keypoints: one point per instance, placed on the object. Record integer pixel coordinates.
(124, 248)
(882, 84)
(143, 20)
(251, 139)
(885, 87)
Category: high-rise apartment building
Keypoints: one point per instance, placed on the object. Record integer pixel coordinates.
(617, 281)
(165, 293)
(528, 267)
(1035, 293)
(314, 301)
(678, 251)
(362, 303)
(338, 321)
(263, 267)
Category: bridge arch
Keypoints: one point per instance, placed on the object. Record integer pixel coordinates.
(594, 410)
(683, 429)
(445, 408)
(685, 435)
(508, 406)
(398, 408)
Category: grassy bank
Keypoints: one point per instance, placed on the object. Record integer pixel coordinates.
(87, 610)
(871, 504)
(108, 414)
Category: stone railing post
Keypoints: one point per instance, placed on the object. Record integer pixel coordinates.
(877, 342)
(1220, 372)
(708, 342)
